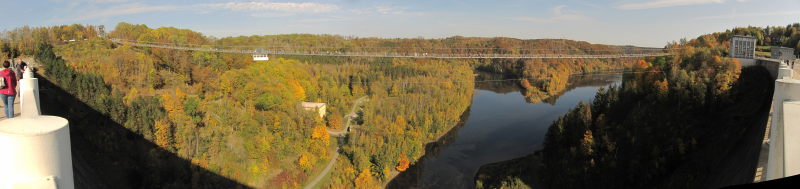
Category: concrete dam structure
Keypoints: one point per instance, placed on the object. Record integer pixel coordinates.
(782, 147)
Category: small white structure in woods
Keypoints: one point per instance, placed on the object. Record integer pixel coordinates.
(315, 106)
(35, 149)
(260, 55)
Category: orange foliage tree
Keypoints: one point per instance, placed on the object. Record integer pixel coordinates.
(402, 164)
(163, 133)
(641, 65)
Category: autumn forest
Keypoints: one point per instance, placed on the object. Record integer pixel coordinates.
(145, 117)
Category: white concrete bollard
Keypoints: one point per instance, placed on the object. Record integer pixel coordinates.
(785, 72)
(29, 87)
(34, 149)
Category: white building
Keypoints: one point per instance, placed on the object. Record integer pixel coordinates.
(260, 55)
(315, 106)
(782, 53)
(743, 47)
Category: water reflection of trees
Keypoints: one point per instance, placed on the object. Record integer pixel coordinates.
(502, 84)
(412, 177)
(496, 83)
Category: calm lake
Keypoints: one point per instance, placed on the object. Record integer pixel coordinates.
(500, 125)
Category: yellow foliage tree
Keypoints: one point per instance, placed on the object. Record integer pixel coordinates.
(179, 94)
(364, 180)
(394, 90)
(335, 120)
(320, 140)
(297, 90)
(399, 125)
(304, 161)
(132, 95)
(320, 134)
(174, 103)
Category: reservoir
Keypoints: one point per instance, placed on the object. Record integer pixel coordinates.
(499, 125)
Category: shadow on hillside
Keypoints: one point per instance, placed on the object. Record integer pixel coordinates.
(732, 153)
(107, 155)
(412, 177)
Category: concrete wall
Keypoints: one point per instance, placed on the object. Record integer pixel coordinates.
(747, 62)
(772, 65)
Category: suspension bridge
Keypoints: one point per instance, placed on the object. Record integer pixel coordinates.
(434, 53)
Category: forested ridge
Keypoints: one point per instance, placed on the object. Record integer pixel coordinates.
(542, 78)
(677, 125)
(226, 115)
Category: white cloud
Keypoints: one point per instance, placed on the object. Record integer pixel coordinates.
(127, 9)
(651, 4)
(386, 10)
(558, 16)
(734, 15)
(257, 9)
(266, 14)
(106, 1)
(390, 10)
(327, 19)
(305, 7)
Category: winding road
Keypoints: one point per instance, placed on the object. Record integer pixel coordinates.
(335, 153)
(349, 117)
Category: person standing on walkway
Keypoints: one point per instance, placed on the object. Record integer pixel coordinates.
(9, 91)
(21, 68)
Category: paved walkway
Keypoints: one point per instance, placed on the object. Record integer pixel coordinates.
(764, 154)
(17, 109)
(349, 117)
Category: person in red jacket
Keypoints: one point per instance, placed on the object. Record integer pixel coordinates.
(8, 92)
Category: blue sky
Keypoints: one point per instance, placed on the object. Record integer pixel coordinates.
(620, 22)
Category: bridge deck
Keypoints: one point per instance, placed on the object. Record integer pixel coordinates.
(318, 52)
